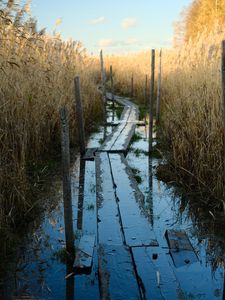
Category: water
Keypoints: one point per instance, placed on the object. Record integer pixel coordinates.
(39, 270)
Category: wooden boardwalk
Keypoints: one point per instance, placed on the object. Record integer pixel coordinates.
(131, 263)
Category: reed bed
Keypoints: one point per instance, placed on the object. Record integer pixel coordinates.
(192, 114)
(36, 79)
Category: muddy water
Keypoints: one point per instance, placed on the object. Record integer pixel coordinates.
(40, 268)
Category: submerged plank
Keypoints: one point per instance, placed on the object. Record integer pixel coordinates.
(90, 154)
(116, 273)
(119, 139)
(109, 227)
(84, 253)
(135, 220)
(156, 275)
(181, 249)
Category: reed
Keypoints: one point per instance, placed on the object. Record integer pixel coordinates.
(36, 79)
(192, 117)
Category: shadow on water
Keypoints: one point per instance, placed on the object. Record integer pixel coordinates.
(40, 268)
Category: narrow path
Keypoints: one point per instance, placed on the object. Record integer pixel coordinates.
(124, 226)
(136, 255)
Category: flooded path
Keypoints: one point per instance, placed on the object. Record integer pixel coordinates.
(149, 242)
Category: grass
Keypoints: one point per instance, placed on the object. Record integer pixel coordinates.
(135, 138)
(136, 173)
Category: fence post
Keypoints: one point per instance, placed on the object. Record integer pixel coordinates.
(223, 93)
(151, 98)
(112, 86)
(159, 88)
(103, 82)
(132, 86)
(79, 114)
(67, 201)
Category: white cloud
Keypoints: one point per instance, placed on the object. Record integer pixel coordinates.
(105, 43)
(117, 43)
(129, 23)
(99, 20)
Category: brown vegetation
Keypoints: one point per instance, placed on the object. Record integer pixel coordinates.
(36, 79)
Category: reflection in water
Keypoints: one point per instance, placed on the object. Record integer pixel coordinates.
(69, 280)
(150, 193)
(81, 195)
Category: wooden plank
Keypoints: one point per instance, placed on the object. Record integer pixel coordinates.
(84, 253)
(117, 274)
(135, 220)
(116, 123)
(157, 278)
(109, 227)
(120, 138)
(90, 154)
(181, 249)
(123, 141)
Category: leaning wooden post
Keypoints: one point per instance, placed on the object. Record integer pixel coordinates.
(159, 88)
(67, 201)
(112, 86)
(151, 98)
(79, 114)
(132, 86)
(223, 94)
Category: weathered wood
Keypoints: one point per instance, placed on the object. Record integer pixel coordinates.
(81, 195)
(135, 219)
(67, 201)
(89, 225)
(146, 97)
(112, 86)
(132, 86)
(90, 154)
(181, 249)
(138, 123)
(119, 139)
(117, 274)
(79, 115)
(84, 254)
(151, 100)
(223, 93)
(102, 73)
(103, 85)
(157, 279)
(158, 99)
(109, 227)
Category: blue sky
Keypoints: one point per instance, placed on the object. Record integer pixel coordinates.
(117, 26)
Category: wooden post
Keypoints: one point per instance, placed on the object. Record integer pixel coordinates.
(79, 113)
(151, 98)
(68, 213)
(103, 83)
(223, 93)
(132, 86)
(112, 86)
(146, 98)
(159, 88)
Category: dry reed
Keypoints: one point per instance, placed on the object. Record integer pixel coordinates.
(36, 79)
(192, 123)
